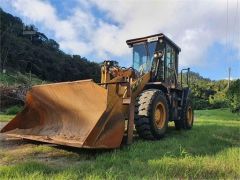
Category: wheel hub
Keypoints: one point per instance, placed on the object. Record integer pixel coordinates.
(160, 115)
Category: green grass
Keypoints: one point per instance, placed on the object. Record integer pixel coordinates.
(18, 78)
(209, 151)
(5, 118)
(14, 110)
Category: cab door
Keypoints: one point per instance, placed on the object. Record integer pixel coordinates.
(170, 66)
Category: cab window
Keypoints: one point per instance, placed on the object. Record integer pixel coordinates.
(170, 63)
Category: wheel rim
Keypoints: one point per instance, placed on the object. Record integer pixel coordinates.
(189, 115)
(160, 115)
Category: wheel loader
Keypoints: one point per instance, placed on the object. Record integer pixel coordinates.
(86, 114)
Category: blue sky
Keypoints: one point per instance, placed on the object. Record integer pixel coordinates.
(208, 31)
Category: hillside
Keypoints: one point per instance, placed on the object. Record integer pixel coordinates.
(21, 52)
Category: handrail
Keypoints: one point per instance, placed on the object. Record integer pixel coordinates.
(188, 70)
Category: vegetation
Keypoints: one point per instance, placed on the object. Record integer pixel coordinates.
(19, 79)
(209, 151)
(36, 54)
(207, 94)
(6, 118)
(13, 110)
(233, 95)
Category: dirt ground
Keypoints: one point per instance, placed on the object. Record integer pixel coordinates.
(4, 138)
(16, 150)
(8, 142)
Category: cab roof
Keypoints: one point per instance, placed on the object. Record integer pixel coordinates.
(130, 42)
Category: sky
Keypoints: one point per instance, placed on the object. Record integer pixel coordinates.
(208, 31)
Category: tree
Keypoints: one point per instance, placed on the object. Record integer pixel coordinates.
(233, 95)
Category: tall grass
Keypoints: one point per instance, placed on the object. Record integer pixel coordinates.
(16, 79)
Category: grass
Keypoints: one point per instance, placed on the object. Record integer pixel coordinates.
(209, 151)
(14, 110)
(17, 78)
(5, 117)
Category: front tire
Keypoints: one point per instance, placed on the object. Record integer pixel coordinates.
(151, 114)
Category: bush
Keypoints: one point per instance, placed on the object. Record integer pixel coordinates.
(13, 110)
(199, 103)
(218, 100)
(233, 94)
(22, 79)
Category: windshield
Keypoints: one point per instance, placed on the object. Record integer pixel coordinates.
(143, 56)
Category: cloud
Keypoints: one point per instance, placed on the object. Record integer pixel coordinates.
(66, 31)
(194, 26)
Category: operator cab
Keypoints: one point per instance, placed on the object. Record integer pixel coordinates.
(158, 55)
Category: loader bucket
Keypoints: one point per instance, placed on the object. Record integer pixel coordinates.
(78, 114)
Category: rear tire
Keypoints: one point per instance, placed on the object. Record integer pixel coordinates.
(151, 114)
(187, 117)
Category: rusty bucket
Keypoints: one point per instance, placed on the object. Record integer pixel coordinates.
(78, 114)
